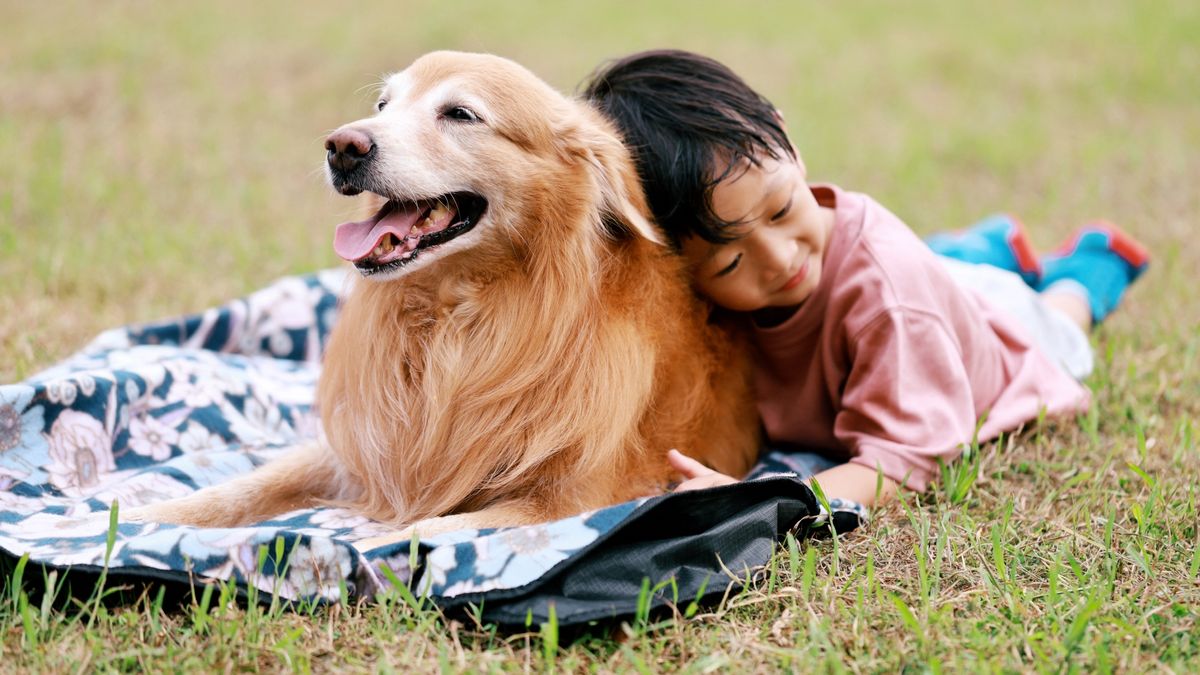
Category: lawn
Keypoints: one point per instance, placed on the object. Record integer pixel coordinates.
(163, 157)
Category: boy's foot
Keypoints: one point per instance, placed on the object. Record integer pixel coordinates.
(1102, 260)
(999, 241)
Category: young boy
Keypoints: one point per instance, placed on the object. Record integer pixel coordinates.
(871, 349)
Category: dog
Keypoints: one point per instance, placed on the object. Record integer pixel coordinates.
(522, 345)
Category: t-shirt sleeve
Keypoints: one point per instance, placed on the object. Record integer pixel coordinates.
(907, 400)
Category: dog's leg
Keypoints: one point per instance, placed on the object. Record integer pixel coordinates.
(297, 480)
(508, 514)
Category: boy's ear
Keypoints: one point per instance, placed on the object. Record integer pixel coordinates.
(622, 199)
(796, 152)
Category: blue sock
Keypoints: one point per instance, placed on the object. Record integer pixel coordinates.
(999, 241)
(1100, 258)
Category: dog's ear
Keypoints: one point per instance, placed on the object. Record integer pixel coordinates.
(622, 200)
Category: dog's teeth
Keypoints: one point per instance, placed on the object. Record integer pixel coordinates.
(437, 213)
(384, 246)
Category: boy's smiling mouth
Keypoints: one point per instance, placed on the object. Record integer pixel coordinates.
(798, 278)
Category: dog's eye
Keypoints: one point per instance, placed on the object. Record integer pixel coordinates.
(460, 113)
(381, 105)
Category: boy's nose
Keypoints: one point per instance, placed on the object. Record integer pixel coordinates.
(777, 259)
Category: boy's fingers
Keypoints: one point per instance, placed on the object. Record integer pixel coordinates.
(704, 482)
(687, 466)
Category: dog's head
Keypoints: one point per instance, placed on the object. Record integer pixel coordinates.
(473, 153)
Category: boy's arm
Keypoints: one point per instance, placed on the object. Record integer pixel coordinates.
(848, 481)
(857, 483)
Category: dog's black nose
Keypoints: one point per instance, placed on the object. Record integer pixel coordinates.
(346, 148)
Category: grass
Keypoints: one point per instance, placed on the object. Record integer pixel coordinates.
(159, 158)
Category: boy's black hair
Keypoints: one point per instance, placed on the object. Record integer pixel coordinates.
(690, 122)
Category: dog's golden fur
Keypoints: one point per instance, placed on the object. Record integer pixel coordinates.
(540, 365)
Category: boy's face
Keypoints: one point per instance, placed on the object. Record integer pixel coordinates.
(777, 260)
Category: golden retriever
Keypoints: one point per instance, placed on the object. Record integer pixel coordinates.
(522, 345)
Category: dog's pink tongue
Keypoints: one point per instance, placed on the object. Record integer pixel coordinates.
(355, 241)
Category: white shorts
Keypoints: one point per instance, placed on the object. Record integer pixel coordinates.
(1057, 336)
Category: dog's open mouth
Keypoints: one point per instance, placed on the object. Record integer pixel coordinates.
(401, 231)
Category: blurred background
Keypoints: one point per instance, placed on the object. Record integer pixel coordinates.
(162, 157)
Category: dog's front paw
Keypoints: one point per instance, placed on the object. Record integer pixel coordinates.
(135, 514)
(147, 513)
(183, 511)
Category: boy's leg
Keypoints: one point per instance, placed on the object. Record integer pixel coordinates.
(1071, 305)
(999, 241)
(1097, 263)
(1056, 333)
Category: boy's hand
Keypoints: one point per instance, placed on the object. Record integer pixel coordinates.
(696, 476)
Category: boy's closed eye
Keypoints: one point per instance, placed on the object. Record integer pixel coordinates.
(784, 211)
(730, 267)
(775, 217)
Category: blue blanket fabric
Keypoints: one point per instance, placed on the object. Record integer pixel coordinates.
(152, 412)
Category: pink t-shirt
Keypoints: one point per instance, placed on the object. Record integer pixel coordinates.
(890, 363)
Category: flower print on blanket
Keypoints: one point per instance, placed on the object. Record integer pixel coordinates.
(153, 412)
(80, 452)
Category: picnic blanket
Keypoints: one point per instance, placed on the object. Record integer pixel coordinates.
(151, 412)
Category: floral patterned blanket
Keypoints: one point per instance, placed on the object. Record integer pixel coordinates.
(151, 412)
